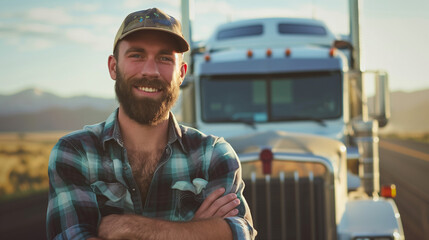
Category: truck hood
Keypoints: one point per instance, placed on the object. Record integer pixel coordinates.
(286, 142)
(334, 129)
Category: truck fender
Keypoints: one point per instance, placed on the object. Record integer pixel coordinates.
(372, 217)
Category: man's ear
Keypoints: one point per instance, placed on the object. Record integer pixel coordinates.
(112, 66)
(183, 70)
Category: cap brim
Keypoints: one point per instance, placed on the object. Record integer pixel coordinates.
(183, 45)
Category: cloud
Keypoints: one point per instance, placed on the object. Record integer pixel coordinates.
(55, 16)
(86, 7)
(36, 44)
(28, 30)
(212, 7)
(42, 28)
(87, 37)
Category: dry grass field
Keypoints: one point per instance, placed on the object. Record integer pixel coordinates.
(24, 162)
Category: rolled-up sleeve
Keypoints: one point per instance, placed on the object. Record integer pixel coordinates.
(72, 211)
(241, 229)
(225, 170)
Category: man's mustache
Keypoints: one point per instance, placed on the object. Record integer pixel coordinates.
(149, 82)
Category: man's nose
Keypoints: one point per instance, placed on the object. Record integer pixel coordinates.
(150, 68)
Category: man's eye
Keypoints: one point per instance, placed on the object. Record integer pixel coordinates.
(135, 56)
(166, 59)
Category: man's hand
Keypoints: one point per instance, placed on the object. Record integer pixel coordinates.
(216, 205)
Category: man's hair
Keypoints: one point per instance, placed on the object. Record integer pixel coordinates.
(116, 51)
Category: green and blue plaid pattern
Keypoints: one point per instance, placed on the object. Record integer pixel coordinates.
(90, 177)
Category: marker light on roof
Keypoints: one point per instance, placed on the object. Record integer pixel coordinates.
(288, 52)
(332, 52)
(207, 57)
(269, 52)
(249, 53)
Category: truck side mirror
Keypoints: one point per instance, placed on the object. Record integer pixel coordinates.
(347, 48)
(382, 99)
(341, 44)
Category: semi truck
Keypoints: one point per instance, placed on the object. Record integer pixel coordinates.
(287, 95)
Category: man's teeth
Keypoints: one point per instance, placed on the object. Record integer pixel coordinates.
(148, 89)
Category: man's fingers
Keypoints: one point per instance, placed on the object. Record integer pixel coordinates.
(227, 208)
(220, 207)
(203, 211)
(216, 205)
(213, 209)
(231, 213)
(211, 198)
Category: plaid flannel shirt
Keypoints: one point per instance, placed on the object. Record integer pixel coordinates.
(90, 177)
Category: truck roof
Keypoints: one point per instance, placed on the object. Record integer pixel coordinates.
(270, 32)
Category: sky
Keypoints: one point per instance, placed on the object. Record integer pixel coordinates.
(62, 46)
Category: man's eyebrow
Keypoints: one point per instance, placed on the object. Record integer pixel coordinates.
(142, 50)
(167, 51)
(135, 49)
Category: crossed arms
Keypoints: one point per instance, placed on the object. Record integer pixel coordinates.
(208, 222)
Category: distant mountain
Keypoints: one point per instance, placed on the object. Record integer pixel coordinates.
(35, 100)
(36, 110)
(409, 112)
(53, 119)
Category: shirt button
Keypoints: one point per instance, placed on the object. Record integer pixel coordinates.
(125, 168)
(133, 189)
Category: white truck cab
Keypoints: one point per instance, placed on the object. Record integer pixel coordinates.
(291, 105)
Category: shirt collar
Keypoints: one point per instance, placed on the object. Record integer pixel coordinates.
(112, 131)
(175, 132)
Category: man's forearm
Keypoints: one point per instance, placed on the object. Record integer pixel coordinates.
(138, 227)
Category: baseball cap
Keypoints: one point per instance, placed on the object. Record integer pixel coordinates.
(152, 19)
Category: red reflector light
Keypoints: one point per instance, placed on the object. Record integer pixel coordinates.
(207, 57)
(288, 52)
(266, 157)
(269, 52)
(388, 191)
(249, 53)
(332, 52)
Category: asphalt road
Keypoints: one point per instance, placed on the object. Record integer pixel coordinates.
(403, 163)
(406, 164)
(24, 218)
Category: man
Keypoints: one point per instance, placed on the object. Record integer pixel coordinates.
(139, 174)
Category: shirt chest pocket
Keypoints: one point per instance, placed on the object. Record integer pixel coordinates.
(190, 196)
(112, 197)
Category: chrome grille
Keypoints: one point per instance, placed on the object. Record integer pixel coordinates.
(288, 206)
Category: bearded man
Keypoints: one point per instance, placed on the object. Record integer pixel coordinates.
(140, 174)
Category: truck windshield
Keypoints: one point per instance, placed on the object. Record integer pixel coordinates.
(248, 99)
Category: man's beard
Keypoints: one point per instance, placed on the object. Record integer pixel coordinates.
(145, 110)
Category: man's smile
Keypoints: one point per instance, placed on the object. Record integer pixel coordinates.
(149, 89)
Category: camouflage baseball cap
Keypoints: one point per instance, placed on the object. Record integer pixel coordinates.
(152, 19)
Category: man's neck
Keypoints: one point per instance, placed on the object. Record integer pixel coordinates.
(139, 137)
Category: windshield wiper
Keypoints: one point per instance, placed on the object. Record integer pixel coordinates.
(247, 121)
(318, 120)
